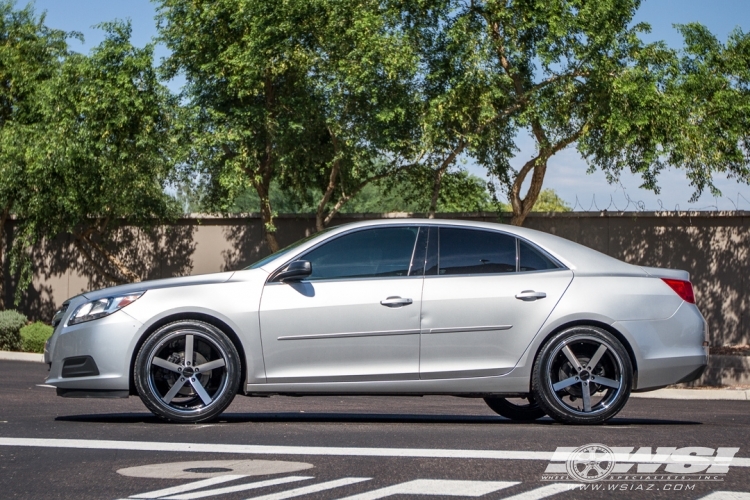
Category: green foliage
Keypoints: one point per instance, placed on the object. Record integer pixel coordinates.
(549, 201)
(308, 94)
(462, 192)
(11, 323)
(688, 109)
(34, 336)
(30, 54)
(103, 152)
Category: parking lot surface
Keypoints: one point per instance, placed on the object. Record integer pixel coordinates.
(333, 447)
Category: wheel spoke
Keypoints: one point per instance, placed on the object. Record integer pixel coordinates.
(188, 350)
(607, 381)
(596, 357)
(565, 383)
(163, 363)
(586, 396)
(211, 365)
(201, 391)
(168, 397)
(572, 358)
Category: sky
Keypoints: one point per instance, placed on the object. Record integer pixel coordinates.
(566, 171)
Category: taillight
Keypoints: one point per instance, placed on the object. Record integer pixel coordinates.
(682, 288)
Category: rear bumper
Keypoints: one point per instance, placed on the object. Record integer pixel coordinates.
(669, 351)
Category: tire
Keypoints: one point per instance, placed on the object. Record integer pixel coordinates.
(519, 412)
(188, 391)
(563, 374)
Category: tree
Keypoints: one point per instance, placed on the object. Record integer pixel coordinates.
(245, 66)
(364, 77)
(549, 201)
(30, 54)
(693, 114)
(103, 153)
(311, 95)
(536, 67)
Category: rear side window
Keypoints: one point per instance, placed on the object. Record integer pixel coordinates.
(369, 253)
(534, 260)
(470, 251)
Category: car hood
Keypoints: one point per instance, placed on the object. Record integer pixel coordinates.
(202, 279)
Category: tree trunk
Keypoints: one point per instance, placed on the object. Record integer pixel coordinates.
(522, 206)
(320, 219)
(269, 229)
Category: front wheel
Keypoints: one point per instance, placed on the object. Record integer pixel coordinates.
(522, 410)
(187, 371)
(582, 375)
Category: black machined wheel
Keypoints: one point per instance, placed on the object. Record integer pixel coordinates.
(520, 409)
(582, 375)
(187, 371)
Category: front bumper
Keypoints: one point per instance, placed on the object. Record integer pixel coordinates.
(108, 341)
(669, 351)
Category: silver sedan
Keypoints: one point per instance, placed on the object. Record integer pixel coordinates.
(533, 323)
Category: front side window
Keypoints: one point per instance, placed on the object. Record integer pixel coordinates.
(369, 253)
(471, 251)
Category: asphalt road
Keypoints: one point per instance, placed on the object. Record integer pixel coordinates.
(332, 447)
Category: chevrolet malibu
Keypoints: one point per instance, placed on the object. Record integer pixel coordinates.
(533, 323)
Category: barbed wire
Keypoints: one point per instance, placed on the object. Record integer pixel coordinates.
(640, 205)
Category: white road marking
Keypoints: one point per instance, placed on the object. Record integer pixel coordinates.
(441, 487)
(727, 495)
(239, 487)
(314, 488)
(94, 444)
(47, 386)
(188, 487)
(202, 469)
(545, 491)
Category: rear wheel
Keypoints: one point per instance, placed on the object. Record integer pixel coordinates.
(520, 409)
(582, 375)
(187, 371)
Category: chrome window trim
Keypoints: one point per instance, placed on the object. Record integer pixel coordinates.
(337, 280)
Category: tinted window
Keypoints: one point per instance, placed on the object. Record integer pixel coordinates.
(468, 251)
(369, 253)
(533, 260)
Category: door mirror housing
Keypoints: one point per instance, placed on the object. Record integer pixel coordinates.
(295, 271)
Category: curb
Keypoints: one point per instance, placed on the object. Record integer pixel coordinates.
(696, 394)
(21, 356)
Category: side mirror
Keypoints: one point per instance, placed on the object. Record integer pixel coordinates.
(295, 271)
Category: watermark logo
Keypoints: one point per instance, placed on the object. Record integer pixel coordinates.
(590, 462)
(596, 462)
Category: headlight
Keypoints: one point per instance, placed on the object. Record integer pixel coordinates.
(102, 307)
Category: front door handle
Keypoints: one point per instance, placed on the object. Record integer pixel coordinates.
(395, 302)
(530, 295)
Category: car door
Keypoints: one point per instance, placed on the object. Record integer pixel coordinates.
(485, 295)
(355, 318)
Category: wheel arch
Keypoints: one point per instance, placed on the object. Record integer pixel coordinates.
(206, 318)
(586, 322)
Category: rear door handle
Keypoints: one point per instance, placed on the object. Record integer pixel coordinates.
(530, 295)
(395, 302)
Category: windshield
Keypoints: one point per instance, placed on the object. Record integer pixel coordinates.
(265, 260)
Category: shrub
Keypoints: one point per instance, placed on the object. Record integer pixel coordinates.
(11, 323)
(34, 336)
